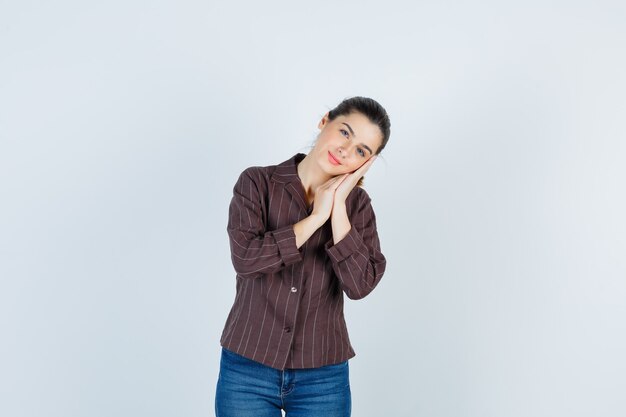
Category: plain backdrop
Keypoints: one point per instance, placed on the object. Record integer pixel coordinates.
(500, 197)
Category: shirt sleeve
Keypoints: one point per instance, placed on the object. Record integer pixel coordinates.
(254, 250)
(357, 259)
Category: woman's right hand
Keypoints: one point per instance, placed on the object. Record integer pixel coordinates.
(324, 198)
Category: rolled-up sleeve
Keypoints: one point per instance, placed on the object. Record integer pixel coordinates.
(254, 250)
(357, 259)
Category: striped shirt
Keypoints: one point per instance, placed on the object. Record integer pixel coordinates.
(288, 308)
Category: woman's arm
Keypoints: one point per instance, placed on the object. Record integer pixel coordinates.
(357, 259)
(355, 249)
(305, 228)
(254, 250)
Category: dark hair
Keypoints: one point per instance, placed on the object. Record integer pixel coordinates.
(369, 108)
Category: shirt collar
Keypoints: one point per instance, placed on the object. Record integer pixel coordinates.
(287, 171)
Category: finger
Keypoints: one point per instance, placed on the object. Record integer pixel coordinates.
(335, 178)
(333, 182)
(363, 168)
(329, 184)
(331, 179)
(338, 183)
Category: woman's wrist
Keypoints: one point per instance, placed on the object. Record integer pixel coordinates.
(339, 207)
(316, 220)
(306, 227)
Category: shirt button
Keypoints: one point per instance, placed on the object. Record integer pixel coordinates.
(287, 329)
(294, 289)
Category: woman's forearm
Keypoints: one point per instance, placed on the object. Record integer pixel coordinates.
(306, 227)
(340, 222)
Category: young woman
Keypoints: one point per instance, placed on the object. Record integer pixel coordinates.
(302, 233)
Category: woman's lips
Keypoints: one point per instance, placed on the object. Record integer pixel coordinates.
(332, 159)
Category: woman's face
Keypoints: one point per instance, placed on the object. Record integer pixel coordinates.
(346, 143)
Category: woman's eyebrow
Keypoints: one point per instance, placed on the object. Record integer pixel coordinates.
(349, 128)
(352, 133)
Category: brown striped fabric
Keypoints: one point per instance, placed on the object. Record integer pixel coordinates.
(288, 308)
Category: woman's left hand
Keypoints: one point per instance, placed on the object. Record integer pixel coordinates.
(348, 183)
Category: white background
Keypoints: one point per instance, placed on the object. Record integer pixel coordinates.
(500, 197)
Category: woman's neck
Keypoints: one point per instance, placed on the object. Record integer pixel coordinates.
(311, 176)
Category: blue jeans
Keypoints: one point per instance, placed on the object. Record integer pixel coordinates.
(246, 388)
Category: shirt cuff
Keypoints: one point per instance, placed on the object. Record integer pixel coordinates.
(345, 247)
(286, 241)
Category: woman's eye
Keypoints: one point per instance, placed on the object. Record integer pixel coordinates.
(344, 131)
(361, 152)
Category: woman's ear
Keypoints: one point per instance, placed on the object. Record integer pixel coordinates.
(323, 122)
